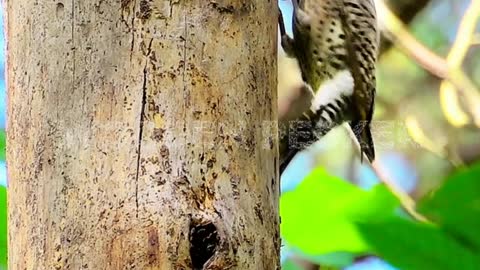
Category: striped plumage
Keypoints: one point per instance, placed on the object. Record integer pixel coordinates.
(336, 45)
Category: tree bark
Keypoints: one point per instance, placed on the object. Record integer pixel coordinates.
(141, 134)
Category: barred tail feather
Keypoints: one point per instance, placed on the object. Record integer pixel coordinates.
(286, 159)
(363, 134)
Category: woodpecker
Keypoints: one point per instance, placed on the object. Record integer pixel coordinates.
(336, 45)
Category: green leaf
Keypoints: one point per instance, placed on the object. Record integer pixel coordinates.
(337, 259)
(3, 139)
(3, 226)
(417, 246)
(320, 215)
(290, 265)
(456, 206)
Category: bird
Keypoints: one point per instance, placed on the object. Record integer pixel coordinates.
(335, 43)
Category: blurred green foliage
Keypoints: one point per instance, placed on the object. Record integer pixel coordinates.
(290, 265)
(456, 206)
(3, 209)
(320, 215)
(327, 215)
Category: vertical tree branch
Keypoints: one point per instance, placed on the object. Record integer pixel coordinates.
(135, 135)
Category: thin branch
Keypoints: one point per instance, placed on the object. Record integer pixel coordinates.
(440, 149)
(449, 70)
(398, 33)
(465, 35)
(456, 57)
(476, 40)
(407, 202)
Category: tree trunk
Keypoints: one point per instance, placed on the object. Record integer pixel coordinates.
(141, 135)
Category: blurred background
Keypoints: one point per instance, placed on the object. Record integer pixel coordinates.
(338, 213)
(426, 130)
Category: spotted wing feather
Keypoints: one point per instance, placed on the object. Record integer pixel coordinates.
(360, 24)
(320, 44)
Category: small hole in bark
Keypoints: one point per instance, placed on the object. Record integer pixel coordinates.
(59, 10)
(203, 242)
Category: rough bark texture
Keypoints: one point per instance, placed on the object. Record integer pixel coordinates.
(136, 135)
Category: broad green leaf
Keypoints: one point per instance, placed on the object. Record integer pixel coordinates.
(290, 265)
(3, 226)
(319, 216)
(456, 206)
(417, 246)
(337, 259)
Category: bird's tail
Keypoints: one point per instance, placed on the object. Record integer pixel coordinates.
(363, 134)
(286, 158)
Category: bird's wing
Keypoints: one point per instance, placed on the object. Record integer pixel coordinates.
(320, 42)
(360, 25)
